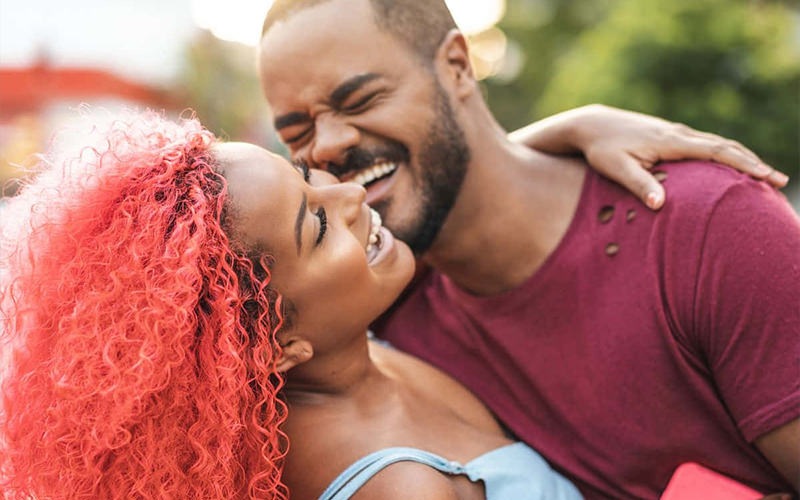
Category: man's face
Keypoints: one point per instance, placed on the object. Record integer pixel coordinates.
(353, 100)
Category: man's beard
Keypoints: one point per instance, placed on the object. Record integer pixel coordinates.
(443, 160)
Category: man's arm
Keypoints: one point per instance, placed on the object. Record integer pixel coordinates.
(623, 144)
(782, 448)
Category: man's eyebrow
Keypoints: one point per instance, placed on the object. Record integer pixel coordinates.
(337, 97)
(344, 90)
(290, 119)
(298, 224)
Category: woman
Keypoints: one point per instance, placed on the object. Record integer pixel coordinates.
(156, 289)
(339, 269)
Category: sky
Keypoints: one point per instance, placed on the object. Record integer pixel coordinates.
(139, 39)
(143, 39)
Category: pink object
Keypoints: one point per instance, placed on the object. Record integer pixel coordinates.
(692, 481)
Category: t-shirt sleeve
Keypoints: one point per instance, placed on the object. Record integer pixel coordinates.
(747, 306)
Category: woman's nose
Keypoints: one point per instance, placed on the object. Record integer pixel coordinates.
(318, 178)
(347, 197)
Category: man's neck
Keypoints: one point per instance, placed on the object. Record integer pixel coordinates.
(513, 210)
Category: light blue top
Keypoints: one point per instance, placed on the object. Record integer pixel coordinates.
(512, 472)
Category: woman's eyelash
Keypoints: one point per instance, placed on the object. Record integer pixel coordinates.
(323, 223)
(303, 167)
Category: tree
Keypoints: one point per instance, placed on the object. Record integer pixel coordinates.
(220, 83)
(727, 66)
(544, 31)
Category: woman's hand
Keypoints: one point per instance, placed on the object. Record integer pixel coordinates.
(622, 145)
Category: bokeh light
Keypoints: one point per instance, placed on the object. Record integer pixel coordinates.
(234, 20)
(240, 20)
(476, 16)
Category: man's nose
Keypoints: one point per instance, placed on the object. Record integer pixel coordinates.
(333, 138)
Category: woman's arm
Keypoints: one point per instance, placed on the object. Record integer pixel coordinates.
(623, 144)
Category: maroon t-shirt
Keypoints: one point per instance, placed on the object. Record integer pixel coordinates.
(645, 340)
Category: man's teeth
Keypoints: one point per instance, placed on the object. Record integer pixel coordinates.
(374, 172)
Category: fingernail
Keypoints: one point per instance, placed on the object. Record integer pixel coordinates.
(780, 178)
(653, 200)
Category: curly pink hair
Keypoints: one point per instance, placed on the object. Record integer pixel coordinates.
(141, 339)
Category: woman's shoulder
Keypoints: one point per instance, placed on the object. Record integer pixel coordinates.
(408, 479)
(434, 385)
(418, 406)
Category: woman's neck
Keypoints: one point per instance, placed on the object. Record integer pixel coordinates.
(346, 373)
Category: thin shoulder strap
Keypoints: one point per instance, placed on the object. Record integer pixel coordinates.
(354, 477)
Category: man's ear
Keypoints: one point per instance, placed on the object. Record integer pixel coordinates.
(454, 65)
(296, 351)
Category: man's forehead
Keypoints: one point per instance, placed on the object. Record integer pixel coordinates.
(313, 37)
(340, 14)
(288, 9)
(307, 61)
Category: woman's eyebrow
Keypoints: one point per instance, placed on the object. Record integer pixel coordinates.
(298, 224)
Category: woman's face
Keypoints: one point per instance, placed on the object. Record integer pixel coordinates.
(318, 231)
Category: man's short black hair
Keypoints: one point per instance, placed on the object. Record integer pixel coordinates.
(420, 24)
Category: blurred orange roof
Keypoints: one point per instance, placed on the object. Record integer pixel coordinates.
(27, 89)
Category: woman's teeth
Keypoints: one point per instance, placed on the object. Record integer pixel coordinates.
(374, 173)
(374, 240)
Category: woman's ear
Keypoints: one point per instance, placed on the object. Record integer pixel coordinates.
(296, 351)
(454, 64)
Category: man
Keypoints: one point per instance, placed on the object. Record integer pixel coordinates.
(617, 341)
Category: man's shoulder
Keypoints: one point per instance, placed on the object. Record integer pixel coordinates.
(695, 189)
(724, 197)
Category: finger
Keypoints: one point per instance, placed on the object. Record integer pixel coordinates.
(627, 170)
(734, 154)
(703, 145)
(690, 143)
(778, 179)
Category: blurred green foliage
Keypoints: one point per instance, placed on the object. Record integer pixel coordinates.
(220, 83)
(726, 66)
